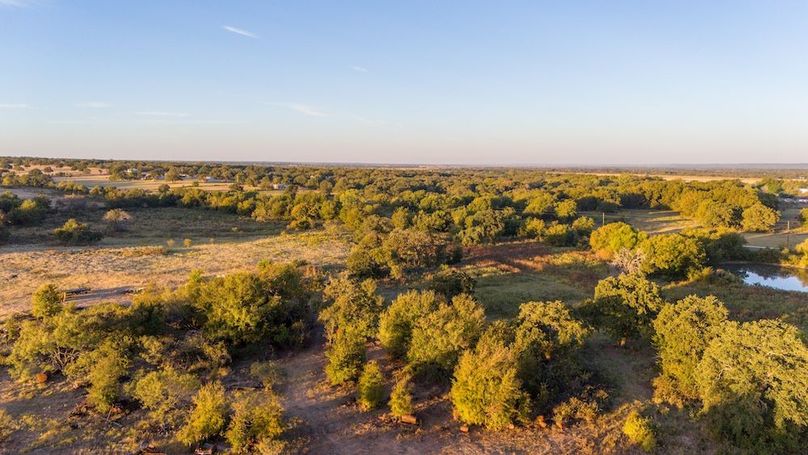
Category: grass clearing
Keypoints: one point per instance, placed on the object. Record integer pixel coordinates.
(514, 273)
(748, 303)
(651, 221)
(141, 257)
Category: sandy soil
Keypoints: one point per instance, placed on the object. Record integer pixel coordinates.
(327, 421)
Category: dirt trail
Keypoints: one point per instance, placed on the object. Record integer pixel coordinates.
(327, 421)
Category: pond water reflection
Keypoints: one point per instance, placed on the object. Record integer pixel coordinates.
(772, 276)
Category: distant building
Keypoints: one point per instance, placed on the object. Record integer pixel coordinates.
(279, 186)
(210, 179)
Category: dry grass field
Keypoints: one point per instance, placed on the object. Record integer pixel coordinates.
(152, 252)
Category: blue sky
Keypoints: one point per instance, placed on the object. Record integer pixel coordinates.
(466, 82)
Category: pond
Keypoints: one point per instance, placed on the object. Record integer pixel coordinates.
(772, 276)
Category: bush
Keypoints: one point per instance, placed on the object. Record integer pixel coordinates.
(533, 227)
(107, 367)
(345, 355)
(267, 372)
(164, 391)
(47, 301)
(353, 304)
(117, 219)
(759, 218)
(8, 425)
(452, 282)
(547, 339)
(752, 384)
(672, 255)
(640, 431)
(585, 407)
(396, 323)
(613, 237)
(583, 225)
(559, 235)
(208, 416)
(683, 331)
(370, 389)
(486, 389)
(257, 420)
(244, 308)
(73, 232)
(439, 337)
(626, 305)
(401, 396)
(237, 307)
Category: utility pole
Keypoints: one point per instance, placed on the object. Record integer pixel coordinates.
(603, 218)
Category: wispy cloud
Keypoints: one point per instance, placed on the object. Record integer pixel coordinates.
(17, 3)
(13, 105)
(237, 31)
(162, 114)
(360, 69)
(93, 104)
(303, 109)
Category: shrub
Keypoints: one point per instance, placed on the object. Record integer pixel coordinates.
(613, 237)
(30, 211)
(439, 337)
(712, 213)
(73, 232)
(401, 396)
(117, 219)
(566, 209)
(257, 419)
(164, 391)
(759, 218)
(245, 308)
(354, 303)
(672, 255)
(547, 338)
(208, 416)
(559, 235)
(752, 384)
(395, 324)
(533, 227)
(640, 431)
(583, 225)
(486, 390)
(237, 307)
(345, 355)
(683, 331)
(47, 301)
(267, 372)
(626, 305)
(104, 377)
(452, 282)
(7, 425)
(585, 407)
(370, 389)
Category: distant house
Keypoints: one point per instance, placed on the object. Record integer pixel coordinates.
(210, 179)
(279, 186)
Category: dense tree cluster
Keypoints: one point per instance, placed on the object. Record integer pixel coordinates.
(751, 378)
